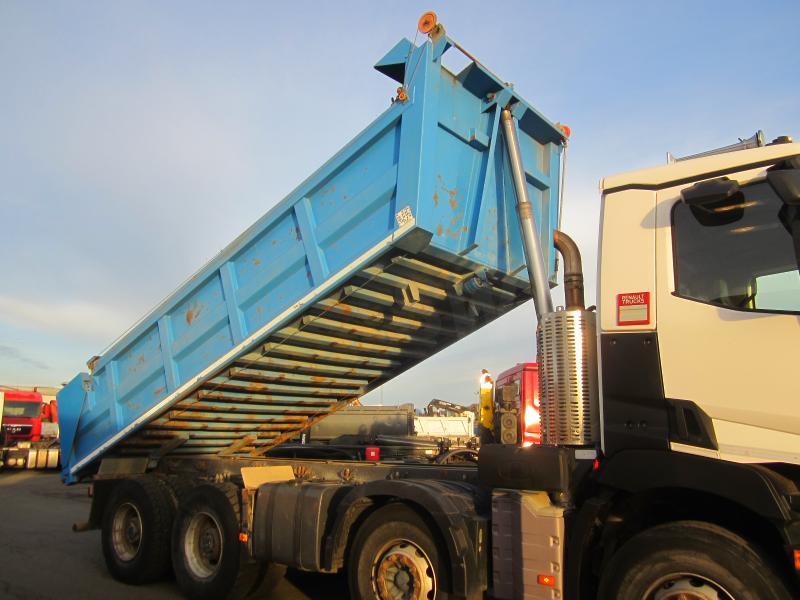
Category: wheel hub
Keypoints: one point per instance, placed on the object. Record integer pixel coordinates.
(126, 531)
(404, 572)
(132, 531)
(203, 547)
(210, 543)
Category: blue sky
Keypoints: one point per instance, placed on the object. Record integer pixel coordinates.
(138, 138)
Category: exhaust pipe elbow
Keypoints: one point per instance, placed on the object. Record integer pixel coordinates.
(573, 270)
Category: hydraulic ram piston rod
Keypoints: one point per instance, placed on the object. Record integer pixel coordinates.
(534, 258)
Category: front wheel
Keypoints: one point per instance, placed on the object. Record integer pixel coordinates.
(395, 557)
(689, 560)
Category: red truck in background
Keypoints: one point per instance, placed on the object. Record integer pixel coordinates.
(23, 415)
(522, 381)
(29, 436)
(509, 411)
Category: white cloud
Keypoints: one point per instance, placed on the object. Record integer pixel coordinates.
(14, 354)
(81, 320)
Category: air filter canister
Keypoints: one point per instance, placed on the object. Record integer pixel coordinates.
(567, 356)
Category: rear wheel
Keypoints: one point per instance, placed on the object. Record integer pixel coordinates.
(135, 530)
(208, 559)
(689, 560)
(395, 557)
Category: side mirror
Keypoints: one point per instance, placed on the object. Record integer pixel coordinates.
(786, 184)
(712, 192)
(714, 202)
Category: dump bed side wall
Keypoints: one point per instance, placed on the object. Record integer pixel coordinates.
(299, 248)
(439, 155)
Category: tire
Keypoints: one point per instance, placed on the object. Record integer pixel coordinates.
(207, 557)
(136, 527)
(391, 535)
(689, 559)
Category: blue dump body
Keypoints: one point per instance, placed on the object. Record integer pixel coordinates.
(404, 242)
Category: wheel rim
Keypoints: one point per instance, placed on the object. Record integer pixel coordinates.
(402, 571)
(687, 586)
(126, 531)
(203, 545)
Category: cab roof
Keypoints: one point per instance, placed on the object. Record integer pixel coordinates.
(716, 165)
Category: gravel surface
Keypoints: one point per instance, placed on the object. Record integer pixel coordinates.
(42, 559)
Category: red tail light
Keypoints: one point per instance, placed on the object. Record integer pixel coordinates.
(531, 422)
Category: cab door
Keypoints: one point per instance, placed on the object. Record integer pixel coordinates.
(729, 322)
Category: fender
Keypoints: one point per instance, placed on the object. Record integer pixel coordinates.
(454, 507)
(753, 486)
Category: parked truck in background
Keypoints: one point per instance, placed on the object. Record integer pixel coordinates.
(515, 398)
(29, 433)
(387, 433)
(663, 472)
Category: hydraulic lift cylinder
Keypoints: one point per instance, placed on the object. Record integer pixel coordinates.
(534, 258)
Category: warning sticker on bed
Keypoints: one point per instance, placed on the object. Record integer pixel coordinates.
(633, 308)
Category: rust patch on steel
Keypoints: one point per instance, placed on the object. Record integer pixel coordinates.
(301, 472)
(436, 198)
(193, 312)
(439, 229)
(158, 391)
(274, 242)
(256, 261)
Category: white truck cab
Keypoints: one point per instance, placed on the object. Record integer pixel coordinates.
(699, 308)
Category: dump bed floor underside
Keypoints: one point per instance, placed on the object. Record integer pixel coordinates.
(386, 318)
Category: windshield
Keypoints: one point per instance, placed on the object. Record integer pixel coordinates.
(15, 408)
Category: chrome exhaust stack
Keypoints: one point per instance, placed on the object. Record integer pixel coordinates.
(567, 355)
(565, 339)
(568, 393)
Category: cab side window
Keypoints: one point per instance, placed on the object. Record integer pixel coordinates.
(739, 255)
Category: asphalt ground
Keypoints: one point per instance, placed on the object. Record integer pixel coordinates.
(42, 559)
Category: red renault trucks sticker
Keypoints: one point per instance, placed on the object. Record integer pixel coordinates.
(633, 308)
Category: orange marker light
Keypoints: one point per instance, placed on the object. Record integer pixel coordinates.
(797, 560)
(565, 129)
(427, 22)
(547, 580)
(243, 537)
